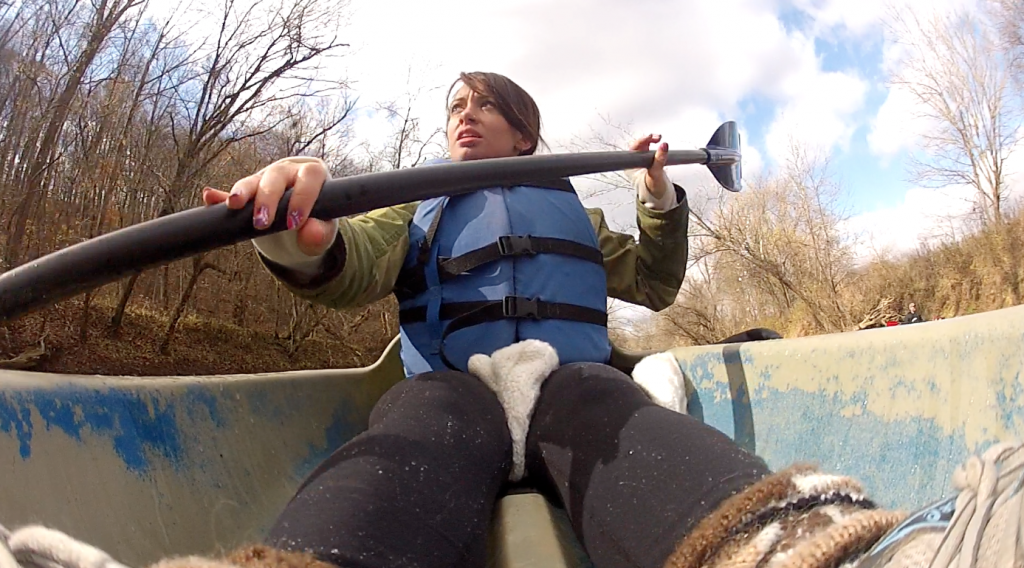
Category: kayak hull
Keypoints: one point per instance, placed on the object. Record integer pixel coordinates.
(148, 467)
(144, 467)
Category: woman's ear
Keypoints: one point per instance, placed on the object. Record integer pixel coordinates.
(522, 145)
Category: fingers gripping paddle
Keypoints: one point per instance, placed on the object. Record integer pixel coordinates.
(108, 258)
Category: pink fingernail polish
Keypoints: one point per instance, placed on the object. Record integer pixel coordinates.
(294, 220)
(262, 218)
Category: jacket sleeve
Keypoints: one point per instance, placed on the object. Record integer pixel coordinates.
(361, 266)
(648, 273)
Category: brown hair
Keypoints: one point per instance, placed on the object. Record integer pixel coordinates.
(516, 106)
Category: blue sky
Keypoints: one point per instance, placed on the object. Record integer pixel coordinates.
(872, 182)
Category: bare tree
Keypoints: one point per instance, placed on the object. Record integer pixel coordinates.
(779, 244)
(106, 15)
(263, 55)
(700, 314)
(409, 143)
(198, 267)
(155, 116)
(1009, 17)
(612, 136)
(953, 69)
(960, 70)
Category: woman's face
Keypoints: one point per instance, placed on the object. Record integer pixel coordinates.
(476, 129)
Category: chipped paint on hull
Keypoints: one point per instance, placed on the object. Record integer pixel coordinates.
(144, 467)
(138, 424)
(900, 408)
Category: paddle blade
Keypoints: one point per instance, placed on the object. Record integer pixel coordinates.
(725, 160)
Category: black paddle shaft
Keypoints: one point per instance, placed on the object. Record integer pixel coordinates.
(110, 257)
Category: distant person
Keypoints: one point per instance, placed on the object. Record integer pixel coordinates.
(913, 316)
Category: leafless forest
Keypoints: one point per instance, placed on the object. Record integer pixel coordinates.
(110, 116)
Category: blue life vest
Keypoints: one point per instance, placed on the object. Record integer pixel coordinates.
(496, 266)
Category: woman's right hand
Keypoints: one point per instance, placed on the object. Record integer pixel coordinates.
(305, 176)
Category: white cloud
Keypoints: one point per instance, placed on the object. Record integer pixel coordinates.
(1015, 170)
(753, 162)
(897, 126)
(902, 118)
(924, 215)
(856, 16)
(860, 17)
(669, 67)
(648, 62)
(819, 116)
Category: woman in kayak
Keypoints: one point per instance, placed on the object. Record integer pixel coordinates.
(506, 357)
(474, 273)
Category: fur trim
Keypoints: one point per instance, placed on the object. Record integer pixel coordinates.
(263, 556)
(830, 543)
(191, 562)
(515, 373)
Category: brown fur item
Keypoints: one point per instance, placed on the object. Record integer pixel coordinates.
(249, 556)
(796, 518)
(702, 542)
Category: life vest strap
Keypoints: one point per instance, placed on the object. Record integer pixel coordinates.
(516, 245)
(415, 282)
(468, 314)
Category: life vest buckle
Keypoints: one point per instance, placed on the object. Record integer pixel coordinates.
(515, 245)
(520, 307)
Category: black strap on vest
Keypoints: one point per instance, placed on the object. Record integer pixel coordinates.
(413, 281)
(516, 245)
(468, 314)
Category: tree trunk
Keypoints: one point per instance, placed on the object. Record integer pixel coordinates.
(83, 331)
(165, 287)
(122, 304)
(242, 300)
(32, 185)
(198, 267)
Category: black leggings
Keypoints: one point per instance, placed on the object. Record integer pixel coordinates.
(419, 487)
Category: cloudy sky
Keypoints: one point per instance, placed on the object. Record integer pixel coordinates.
(805, 70)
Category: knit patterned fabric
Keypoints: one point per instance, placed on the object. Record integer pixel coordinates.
(798, 517)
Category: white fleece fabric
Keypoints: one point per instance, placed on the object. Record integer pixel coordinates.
(515, 373)
(668, 200)
(283, 248)
(662, 379)
(36, 546)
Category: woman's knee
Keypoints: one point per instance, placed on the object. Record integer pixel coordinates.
(449, 400)
(591, 384)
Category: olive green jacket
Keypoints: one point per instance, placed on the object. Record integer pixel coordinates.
(363, 265)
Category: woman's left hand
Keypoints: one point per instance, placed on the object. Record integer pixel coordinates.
(657, 180)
